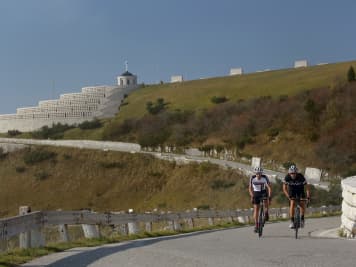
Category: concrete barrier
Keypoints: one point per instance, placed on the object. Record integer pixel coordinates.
(348, 218)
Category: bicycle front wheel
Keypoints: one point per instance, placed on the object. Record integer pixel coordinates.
(296, 221)
(261, 221)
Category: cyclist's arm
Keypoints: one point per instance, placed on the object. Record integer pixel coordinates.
(308, 190)
(285, 190)
(250, 190)
(269, 190)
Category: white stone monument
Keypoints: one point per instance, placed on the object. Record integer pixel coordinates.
(300, 63)
(312, 175)
(256, 162)
(236, 71)
(176, 78)
(73, 108)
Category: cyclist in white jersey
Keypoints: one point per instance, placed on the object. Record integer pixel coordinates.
(259, 187)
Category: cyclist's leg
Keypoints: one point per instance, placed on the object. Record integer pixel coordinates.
(266, 204)
(302, 208)
(292, 208)
(256, 208)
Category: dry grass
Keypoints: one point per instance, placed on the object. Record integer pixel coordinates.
(197, 94)
(113, 181)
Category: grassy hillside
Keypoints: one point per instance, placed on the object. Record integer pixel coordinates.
(52, 178)
(49, 178)
(197, 94)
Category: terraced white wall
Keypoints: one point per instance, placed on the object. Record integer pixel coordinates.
(73, 108)
(348, 217)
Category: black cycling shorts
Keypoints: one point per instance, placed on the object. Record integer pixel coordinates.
(296, 194)
(257, 195)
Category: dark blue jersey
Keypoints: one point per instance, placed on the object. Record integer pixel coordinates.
(296, 184)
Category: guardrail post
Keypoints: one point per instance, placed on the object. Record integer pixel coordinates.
(190, 222)
(133, 227)
(63, 233)
(25, 238)
(240, 217)
(124, 229)
(90, 231)
(148, 227)
(285, 215)
(176, 225)
(211, 221)
(37, 238)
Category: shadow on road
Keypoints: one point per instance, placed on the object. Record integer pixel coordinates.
(85, 258)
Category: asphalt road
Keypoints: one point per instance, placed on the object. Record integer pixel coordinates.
(221, 248)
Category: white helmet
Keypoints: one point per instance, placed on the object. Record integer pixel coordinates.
(258, 169)
(292, 169)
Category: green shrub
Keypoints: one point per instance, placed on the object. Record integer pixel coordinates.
(273, 132)
(351, 74)
(20, 169)
(41, 175)
(219, 99)
(283, 98)
(3, 154)
(162, 205)
(206, 167)
(221, 184)
(313, 136)
(86, 125)
(203, 207)
(55, 132)
(67, 156)
(34, 156)
(111, 165)
(155, 174)
(155, 108)
(13, 132)
(287, 164)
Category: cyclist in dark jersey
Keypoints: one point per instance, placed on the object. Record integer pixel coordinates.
(294, 186)
(259, 187)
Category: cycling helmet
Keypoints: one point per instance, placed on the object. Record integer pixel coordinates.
(258, 169)
(292, 169)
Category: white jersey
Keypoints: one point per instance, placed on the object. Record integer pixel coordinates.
(259, 185)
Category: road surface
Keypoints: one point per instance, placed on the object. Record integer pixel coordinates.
(220, 248)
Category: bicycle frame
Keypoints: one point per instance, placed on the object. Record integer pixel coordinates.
(261, 216)
(297, 216)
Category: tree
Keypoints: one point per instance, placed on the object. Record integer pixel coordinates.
(351, 74)
(155, 108)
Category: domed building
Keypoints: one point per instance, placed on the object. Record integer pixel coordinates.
(92, 102)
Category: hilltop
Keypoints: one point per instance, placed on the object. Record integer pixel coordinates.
(306, 116)
(196, 94)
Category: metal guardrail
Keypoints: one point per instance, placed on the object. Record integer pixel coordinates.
(13, 226)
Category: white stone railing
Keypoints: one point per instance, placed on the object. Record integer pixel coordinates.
(348, 217)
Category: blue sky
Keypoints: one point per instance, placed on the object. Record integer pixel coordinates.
(58, 46)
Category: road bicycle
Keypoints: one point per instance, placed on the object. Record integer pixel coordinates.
(297, 216)
(261, 216)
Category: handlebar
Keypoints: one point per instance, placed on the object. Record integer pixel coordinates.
(300, 199)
